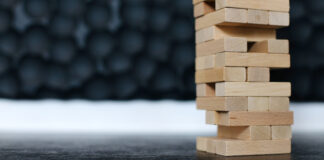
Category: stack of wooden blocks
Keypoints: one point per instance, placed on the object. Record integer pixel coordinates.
(236, 47)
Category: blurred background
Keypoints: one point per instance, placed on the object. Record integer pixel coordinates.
(130, 49)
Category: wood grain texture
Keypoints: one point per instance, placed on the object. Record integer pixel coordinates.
(269, 5)
(281, 132)
(203, 8)
(227, 74)
(258, 74)
(218, 32)
(224, 17)
(253, 89)
(279, 18)
(244, 118)
(279, 104)
(233, 59)
(205, 89)
(245, 132)
(270, 46)
(201, 143)
(232, 147)
(258, 104)
(257, 17)
(222, 103)
(226, 44)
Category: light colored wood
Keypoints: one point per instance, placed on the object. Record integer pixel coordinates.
(244, 132)
(272, 5)
(244, 118)
(270, 46)
(253, 89)
(233, 147)
(226, 44)
(281, 132)
(201, 143)
(233, 59)
(218, 32)
(201, 155)
(226, 17)
(227, 74)
(222, 103)
(258, 74)
(205, 89)
(279, 18)
(258, 104)
(278, 104)
(258, 17)
(203, 8)
(198, 1)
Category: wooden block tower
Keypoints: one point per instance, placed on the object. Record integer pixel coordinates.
(236, 47)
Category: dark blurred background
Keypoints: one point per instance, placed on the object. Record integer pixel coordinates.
(130, 49)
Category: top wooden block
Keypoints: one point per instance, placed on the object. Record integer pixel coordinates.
(269, 5)
(242, 17)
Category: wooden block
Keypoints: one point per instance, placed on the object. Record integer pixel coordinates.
(232, 59)
(199, 1)
(226, 44)
(227, 74)
(278, 104)
(244, 118)
(203, 8)
(258, 74)
(244, 132)
(222, 103)
(271, 5)
(258, 17)
(270, 46)
(232, 147)
(281, 132)
(279, 18)
(258, 104)
(253, 89)
(201, 143)
(201, 155)
(218, 32)
(205, 89)
(226, 17)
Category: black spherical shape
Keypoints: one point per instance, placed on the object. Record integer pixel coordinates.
(56, 77)
(158, 48)
(63, 50)
(97, 16)
(100, 44)
(31, 72)
(10, 43)
(36, 40)
(118, 63)
(71, 8)
(81, 68)
(62, 26)
(37, 8)
(125, 86)
(131, 42)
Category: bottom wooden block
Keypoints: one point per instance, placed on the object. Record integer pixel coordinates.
(233, 147)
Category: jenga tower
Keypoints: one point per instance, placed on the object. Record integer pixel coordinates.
(236, 47)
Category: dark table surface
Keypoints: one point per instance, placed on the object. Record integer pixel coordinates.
(99, 147)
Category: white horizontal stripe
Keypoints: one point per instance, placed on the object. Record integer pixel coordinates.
(126, 116)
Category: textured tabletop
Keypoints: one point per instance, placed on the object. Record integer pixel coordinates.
(99, 147)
